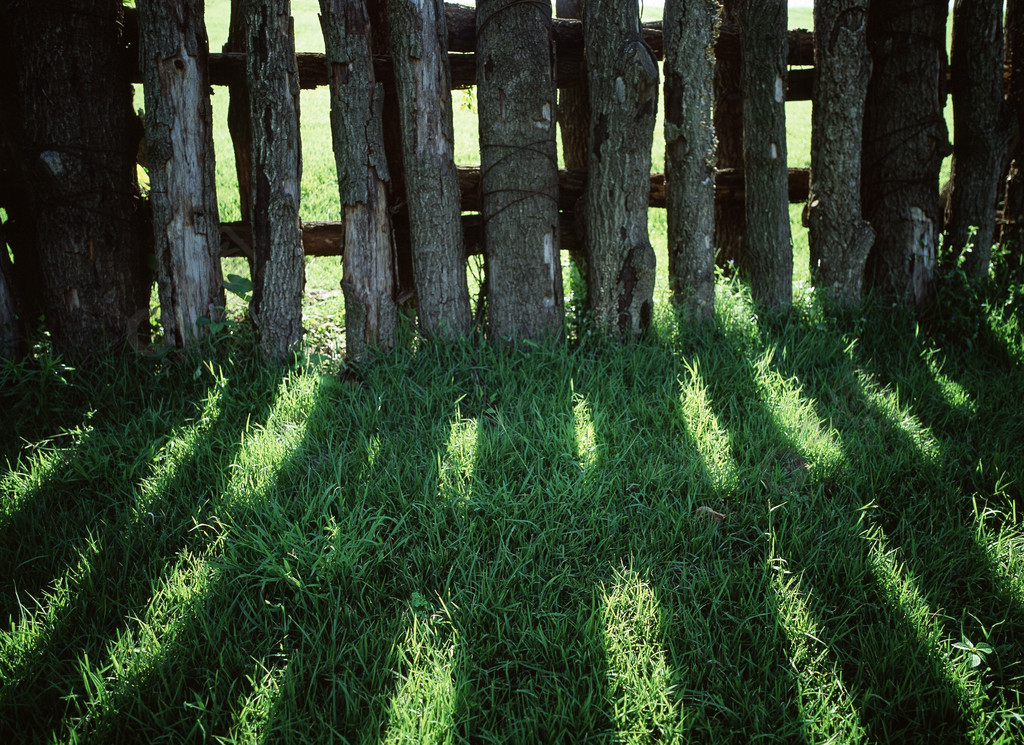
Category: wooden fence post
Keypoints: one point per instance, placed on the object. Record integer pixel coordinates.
(420, 52)
(839, 237)
(730, 214)
(623, 79)
(277, 170)
(976, 85)
(905, 140)
(371, 316)
(519, 168)
(239, 125)
(10, 327)
(690, 31)
(1012, 230)
(768, 242)
(179, 152)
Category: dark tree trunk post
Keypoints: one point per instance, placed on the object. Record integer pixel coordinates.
(420, 51)
(768, 242)
(179, 152)
(239, 125)
(1011, 233)
(839, 237)
(371, 315)
(397, 194)
(10, 326)
(977, 91)
(75, 133)
(519, 168)
(691, 29)
(277, 174)
(730, 215)
(573, 103)
(623, 79)
(905, 140)
(574, 121)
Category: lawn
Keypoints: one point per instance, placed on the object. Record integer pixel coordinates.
(794, 528)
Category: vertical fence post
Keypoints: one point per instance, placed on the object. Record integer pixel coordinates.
(357, 99)
(277, 170)
(690, 29)
(179, 152)
(623, 79)
(839, 237)
(519, 168)
(766, 178)
(419, 49)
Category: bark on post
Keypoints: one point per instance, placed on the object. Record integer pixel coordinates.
(74, 133)
(179, 152)
(976, 85)
(239, 125)
(519, 167)
(419, 49)
(905, 140)
(623, 79)
(1011, 233)
(277, 171)
(10, 326)
(573, 103)
(368, 282)
(574, 122)
(691, 29)
(731, 216)
(839, 237)
(768, 243)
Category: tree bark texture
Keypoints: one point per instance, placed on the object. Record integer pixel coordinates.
(573, 103)
(239, 125)
(519, 168)
(623, 78)
(1011, 232)
(690, 31)
(10, 325)
(839, 237)
(730, 217)
(419, 49)
(368, 281)
(397, 194)
(277, 173)
(768, 242)
(179, 153)
(574, 117)
(976, 85)
(905, 140)
(76, 137)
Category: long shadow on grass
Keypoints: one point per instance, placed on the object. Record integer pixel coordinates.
(889, 675)
(661, 467)
(127, 534)
(333, 556)
(536, 541)
(926, 504)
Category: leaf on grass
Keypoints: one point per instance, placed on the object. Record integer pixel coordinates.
(708, 512)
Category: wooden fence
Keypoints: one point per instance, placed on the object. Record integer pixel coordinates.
(324, 238)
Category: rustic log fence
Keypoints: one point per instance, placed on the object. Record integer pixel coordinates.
(411, 217)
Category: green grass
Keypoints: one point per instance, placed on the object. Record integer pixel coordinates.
(466, 544)
(469, 544)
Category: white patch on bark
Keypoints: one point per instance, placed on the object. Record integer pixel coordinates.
(780, 89)
(549, 262)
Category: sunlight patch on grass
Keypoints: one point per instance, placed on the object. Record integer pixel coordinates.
(710, 438)
(828, 710)
(587, 446)
(456, 464)
(645, 707)
(423, 707)
(952, 664)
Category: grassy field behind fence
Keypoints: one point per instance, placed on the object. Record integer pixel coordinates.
(802, 528)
